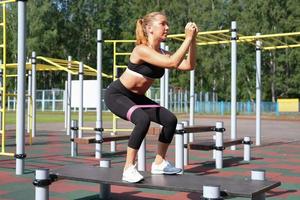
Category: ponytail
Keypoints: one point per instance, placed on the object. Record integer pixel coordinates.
(141, 37)
(140, 31)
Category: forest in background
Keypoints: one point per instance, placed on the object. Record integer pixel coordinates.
(59, 28)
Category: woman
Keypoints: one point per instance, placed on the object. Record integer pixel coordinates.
(126, 98)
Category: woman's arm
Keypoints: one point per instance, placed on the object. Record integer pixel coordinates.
(190, 62)
(144, 53)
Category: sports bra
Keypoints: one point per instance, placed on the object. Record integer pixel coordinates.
(146, 69)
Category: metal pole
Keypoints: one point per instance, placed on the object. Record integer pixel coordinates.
(142, 156)
(179, 147)
(192, 102)
(20, 129)
(41, 191)
(247, 146)
(74, 131)
(80, 113)
(162, 83)
(69, 95)
(33, 62)
(258, 175)
(99, 122)
(99, 76)
(105, 190)
(29, 91)
(167, 74)
(185, 142)
(219, 145)
(99, 140)
(233, 81)
(258, 91)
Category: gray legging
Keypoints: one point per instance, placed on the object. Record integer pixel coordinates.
(140, 110)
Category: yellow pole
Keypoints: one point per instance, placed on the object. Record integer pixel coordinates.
(114, 78)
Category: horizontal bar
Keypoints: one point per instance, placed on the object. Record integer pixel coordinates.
(123, 54)
(89, 140)
(198, 129)
(7, 1)
(282, 47)
(119, 41)
(270, 35)
(200, 33)
(118, 129)
(7, 154)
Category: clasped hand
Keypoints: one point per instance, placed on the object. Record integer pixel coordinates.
(191, 30)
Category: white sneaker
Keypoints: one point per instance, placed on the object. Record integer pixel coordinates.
(131, 175)
(164, 168)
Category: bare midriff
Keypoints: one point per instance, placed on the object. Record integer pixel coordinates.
(135, 82)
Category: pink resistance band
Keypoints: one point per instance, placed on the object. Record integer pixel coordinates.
(133, 108)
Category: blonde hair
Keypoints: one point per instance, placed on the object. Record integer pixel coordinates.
(140, 31)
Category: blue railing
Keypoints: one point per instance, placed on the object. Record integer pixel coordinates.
(242, 107)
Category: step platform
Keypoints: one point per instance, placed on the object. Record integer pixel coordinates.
(183, 183)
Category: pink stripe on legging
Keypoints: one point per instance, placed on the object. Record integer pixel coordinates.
(133, 108)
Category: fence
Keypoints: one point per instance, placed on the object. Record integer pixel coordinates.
(53, 100)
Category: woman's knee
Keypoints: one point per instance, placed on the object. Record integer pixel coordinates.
(140, 118)
(142, 123)
(172, 121)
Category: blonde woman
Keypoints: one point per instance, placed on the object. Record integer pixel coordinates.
(126, 98)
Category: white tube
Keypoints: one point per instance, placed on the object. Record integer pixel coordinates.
(258, 91)
(247, 149)
(74, 131)
(41, 192)
(20, 126)
(179, 147)
(98, 146)
(233, 81)
(185, 142)
(258, 174)
(80, 113)
(142, 156)
(192, 102)
(219, 146)
(211, 192)
(105, 189)
(113, 144)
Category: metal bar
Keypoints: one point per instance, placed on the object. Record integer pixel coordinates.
(55, 64)
(233, 81)
(119, 41)
(123, 54)
(282, 47)
(200, 33)
(258, 91)
(69, 95)
(33, 93)
(20, 147)
(270, 35)
(80, 112)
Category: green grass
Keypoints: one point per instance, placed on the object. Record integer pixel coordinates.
(51, 117)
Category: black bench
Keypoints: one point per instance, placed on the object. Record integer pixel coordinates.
(183, 183)
(92, 139)
(207, 145)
